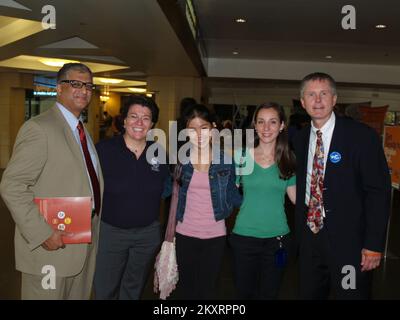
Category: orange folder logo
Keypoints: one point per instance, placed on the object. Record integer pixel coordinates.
(69, 214)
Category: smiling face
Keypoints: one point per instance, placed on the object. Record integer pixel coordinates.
(268, 125)
(318, 100)
(75, 99)
(199, 132)
(138, 122)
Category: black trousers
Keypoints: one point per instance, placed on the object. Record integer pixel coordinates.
(255, 272)
(199, 263)
(324, 270)
(124, 259)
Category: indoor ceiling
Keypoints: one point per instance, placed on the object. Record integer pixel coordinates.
(141, 37)
(135, 34)
(302, 30)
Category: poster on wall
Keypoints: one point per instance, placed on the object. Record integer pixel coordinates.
(391, 145)
(374, 117)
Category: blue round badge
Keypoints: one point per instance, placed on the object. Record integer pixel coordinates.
(335, 157)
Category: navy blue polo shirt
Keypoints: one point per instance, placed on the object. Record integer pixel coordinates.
(132, 187)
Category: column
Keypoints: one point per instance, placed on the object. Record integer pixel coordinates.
(12, 110)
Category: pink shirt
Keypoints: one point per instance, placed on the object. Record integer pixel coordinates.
(198, 220)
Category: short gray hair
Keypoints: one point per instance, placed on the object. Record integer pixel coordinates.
(320, 76)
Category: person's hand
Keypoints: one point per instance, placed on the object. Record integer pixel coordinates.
(370, 259)
(55, 241)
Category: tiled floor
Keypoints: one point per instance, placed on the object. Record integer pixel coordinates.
(386, 280)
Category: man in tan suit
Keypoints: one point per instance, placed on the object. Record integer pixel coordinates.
(54, 157)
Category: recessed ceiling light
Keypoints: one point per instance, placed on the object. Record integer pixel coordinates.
(109, 80)
(328, 57)
(137, 90)
(235, 52)
(52, 62)
(381, 26)
(240, 20)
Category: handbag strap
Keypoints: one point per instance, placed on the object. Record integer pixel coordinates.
(170, 232)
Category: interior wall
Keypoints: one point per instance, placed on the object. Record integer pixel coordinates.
(113, 105)
(295, 70)
(284, 96)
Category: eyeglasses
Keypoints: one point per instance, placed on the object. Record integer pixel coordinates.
(76, 84)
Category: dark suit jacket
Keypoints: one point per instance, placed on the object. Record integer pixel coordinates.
(356, 189)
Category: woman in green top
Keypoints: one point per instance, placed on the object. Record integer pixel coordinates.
(261, 228)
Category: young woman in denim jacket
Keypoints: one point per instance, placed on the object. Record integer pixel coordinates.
(260, 234)
(207, 196)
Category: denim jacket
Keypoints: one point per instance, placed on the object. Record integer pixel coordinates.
(224, 192)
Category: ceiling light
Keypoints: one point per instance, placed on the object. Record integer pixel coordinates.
(56, 62)
(235, 52)
(104, 98)
(109, 80)
(137, 90)
(328, 57)
(381, 26)
(240, 20)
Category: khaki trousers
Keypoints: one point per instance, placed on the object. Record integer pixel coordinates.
(78, 287)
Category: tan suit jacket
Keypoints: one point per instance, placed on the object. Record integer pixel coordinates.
(46, 162)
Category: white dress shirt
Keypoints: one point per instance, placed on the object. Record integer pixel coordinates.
(73, 123)
(327, 132)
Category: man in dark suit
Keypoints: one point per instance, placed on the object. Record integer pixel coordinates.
(343, 198)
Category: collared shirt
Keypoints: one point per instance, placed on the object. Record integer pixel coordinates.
(73, 123)
(327, 132)
(133, 187)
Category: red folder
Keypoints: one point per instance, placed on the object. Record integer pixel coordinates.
(70, 214)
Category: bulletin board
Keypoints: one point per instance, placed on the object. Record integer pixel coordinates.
(391, 144)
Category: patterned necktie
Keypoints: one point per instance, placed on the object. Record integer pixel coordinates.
(90, 168)
(314, 215)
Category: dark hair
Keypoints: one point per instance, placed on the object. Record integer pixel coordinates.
(194, 111)
(284, 157)
(185, 104)
(63, 72)
(142, 101)
(198, 111)
(320, 76)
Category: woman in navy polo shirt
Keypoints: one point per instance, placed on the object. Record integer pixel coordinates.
(134, 186)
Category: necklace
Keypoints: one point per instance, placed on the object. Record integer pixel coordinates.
(266, 158)
(134, 148)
